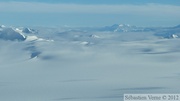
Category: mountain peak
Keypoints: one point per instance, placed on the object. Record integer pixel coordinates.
(11, 34)
(2, 26)
(121, 25)
(124, 25)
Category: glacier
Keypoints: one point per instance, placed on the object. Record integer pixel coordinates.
(88, 63)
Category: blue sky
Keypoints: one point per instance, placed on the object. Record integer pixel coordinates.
(89, 12)
(173, 2)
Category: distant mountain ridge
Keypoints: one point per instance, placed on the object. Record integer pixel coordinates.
(163, 32)
(23, 33)
(127, 28)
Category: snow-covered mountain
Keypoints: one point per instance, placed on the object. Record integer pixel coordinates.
(169, 32)
(11, 34)
(26, 30)
(161, 32)
(2, 26)
(120, 28)
(19, 34)
(126, 28)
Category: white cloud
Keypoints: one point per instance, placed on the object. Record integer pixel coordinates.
(148, 9)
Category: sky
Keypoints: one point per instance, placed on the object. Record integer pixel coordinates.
(89, 12)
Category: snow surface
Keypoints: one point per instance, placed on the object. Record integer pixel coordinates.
(57, 64)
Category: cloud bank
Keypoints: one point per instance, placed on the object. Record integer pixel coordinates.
(33, 7)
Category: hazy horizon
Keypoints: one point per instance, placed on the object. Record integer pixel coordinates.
(89, 13)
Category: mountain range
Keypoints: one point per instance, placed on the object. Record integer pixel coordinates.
(22, 33)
